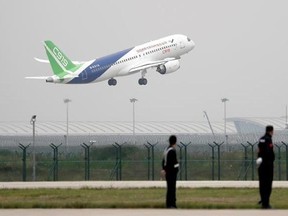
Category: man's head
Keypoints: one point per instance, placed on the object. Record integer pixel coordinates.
(269, 129)
(172, 140)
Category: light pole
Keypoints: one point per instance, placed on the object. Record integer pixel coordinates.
(133, 100)
(32, 122)
(286, 123)
(224, 100)
(67, 101)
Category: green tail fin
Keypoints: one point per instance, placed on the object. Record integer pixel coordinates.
(60, 63)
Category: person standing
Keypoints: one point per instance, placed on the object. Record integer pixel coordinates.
(170, 168)
(265, 162)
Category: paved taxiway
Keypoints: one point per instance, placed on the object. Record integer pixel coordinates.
(138, 212)
(136, 184)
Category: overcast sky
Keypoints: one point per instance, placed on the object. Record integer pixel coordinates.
(241, 54)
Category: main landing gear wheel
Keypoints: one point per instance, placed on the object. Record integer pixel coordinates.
(112, 82)
(142, 81)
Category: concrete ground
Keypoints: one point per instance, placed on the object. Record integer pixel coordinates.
(138, 212)
(136, 184)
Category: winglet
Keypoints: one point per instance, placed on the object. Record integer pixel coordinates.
(47, 61)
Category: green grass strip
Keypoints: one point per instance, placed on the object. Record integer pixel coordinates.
(199, 198)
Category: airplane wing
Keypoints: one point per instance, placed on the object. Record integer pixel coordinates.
(149, 64)
(47, 61)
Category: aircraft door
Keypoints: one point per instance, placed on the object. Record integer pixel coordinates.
(84, 75)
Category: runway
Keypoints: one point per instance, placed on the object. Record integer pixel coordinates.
(138, 212)
(136, 184)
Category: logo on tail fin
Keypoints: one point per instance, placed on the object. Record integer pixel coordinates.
(60, 63)
(60, 56)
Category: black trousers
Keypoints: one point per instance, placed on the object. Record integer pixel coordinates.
(265, 172)
(171, 189)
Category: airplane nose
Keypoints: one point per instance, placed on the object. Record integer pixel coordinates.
(192, 44)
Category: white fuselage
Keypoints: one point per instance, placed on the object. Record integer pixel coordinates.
(137, 59)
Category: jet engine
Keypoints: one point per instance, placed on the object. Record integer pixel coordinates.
(168, 67)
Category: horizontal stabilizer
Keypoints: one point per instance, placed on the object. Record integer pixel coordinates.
(47, 61)
(41, 60)
(41, 77)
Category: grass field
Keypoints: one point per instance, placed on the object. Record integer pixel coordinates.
(200, 198)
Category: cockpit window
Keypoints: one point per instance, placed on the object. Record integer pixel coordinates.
(188, 39)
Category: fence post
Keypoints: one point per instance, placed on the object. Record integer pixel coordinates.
(55, 161)
(219, 161)
(245, 160)
(286, 147)
(148, 159)
(87, 160)
(213, 158)
(185, 157)
(118, 165)
(152, 155)
(252, 158)
(279, 161)
(24, 149)
(180, 162)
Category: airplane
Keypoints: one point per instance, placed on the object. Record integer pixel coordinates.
(162, 54)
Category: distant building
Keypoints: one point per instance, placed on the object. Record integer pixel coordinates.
(238, 130)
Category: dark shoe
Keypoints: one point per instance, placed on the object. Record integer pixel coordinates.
(172, 207)
(266, 207)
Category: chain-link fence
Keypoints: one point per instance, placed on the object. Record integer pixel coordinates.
(135, 158)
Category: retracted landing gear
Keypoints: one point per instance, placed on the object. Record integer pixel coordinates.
(112, 82)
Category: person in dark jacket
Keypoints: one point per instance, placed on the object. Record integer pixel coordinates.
(265, 162)
(170, 168)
